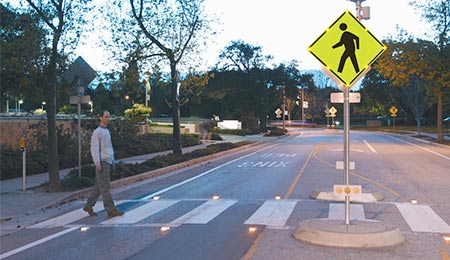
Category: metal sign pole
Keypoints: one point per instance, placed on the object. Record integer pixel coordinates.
(284, 107)
(347, 152)
(80, 92)
(24, 169)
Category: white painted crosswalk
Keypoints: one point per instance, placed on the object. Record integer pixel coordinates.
(141, 212)
(66, 218)
(204, 213)
(421, 218)
(274, 214)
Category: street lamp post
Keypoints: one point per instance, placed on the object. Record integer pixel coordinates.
(20, 103)
(127, 98)
(43, 104)
(303, 105)
(147, 92)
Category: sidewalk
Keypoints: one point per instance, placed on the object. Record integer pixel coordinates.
(14, 201)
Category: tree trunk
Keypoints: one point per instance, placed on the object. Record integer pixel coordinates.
(53, 167)
(175, 109)
(440, 130)
(418, 121)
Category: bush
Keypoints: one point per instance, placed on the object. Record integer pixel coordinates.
(138, 113)
(124, 134)
(275, 131)
(241, 132)
(74, 182)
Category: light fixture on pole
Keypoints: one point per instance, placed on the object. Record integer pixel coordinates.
(20, 103)
(362, 12)
(148, 88)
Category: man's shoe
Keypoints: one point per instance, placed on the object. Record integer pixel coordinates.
(90, 211)
(114, 213)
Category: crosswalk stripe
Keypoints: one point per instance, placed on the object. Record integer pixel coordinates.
(140, 213)
(337, 211)
(273, 213)
(421, 218)
(205, 212)
(66, 218)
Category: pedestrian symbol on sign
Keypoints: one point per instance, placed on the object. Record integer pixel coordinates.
(350, 41)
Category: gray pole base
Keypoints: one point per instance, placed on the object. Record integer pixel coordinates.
(358, 234)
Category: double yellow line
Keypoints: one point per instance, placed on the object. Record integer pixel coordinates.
(300, 173)
(393, 192)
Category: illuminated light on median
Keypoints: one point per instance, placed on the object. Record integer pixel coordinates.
(252, 229)
(156, 198)
(278, 197)
(446, 238)
(414, 201)
(84, 229)
(164, 229)
(215, 197)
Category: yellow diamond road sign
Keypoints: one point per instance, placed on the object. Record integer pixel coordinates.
(347, 48)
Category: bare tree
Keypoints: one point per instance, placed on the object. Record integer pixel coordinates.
(169, 31)
(63, 19)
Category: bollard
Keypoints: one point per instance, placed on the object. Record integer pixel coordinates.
(24, 156)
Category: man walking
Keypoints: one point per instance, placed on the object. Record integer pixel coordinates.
(103, 156)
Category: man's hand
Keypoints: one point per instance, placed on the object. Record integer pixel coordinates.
(98, 168)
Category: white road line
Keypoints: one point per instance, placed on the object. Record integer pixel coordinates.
(204, 213)
(66, 218)
(201, 175)
(370, 147)
(274, 213)
(38, 242)
(423, 148)
(337, 211)
(421, 218)
(141, 212)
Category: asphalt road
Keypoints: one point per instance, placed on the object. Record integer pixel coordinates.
(248, 204)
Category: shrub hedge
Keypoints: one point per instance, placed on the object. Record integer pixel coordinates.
(125, 138)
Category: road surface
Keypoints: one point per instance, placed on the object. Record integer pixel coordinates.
(248, 204)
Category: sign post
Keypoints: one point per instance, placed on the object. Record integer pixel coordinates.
(79, 75)
(393, 111)
(23, 148)
(346, 50)
(332, 112)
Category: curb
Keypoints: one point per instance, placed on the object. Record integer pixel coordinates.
(358, 234)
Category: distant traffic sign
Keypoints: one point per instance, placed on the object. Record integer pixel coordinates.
(347, 48)
(278, 112)
(393, 111)
(332, 111)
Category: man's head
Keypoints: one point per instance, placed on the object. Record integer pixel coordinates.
(104, 118)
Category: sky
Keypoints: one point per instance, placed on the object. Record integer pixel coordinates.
(285, 28)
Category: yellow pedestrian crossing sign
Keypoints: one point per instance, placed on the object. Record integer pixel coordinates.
(347, 48)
